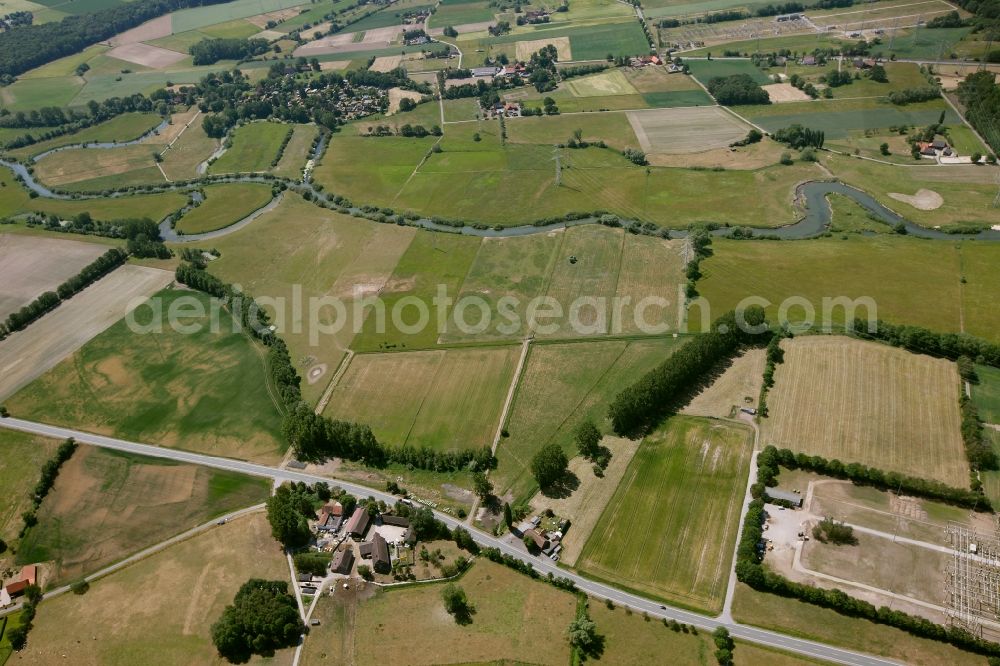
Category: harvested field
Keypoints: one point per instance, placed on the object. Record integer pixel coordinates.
(686, 130)
(28, 354)
(444, 399)
(611, 82)
(683, 556)
(178, 383)
(334, 65)
(922, 200)
(84, 166)
(106, 505)
(297, 151)
(880, 406)
(153, 29)
(386, 63)
(146, 55)
(587, 502)
(382, 36)
(651, 278)
(31, 265)
(785, 92)
(184, 589)
(738, 386)
(192, 147)
(261, 20)
(524, 49)
(269, 35)
(397, 95)
(409, 625)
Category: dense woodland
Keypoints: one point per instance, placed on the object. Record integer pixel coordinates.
(211, 51)
(980, 95)
(736, 90)
(27, 46)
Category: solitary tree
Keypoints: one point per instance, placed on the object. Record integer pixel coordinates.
(508, 518)
(549, 465)
(588, 439)
(583, 635)
(456, 603)
(482, 486)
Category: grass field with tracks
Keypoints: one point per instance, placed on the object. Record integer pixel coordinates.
(293, 159)
(444, 399)
(560, 386)
(168, 388)
(857, 267)
(880, 406)
(224, 205)
(20, 467)
(107, 504)
(254, 148)
(986, 394)
(669, 530)
(185, 588)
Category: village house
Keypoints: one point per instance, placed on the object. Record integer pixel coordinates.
(378, 551)
(330, 517)
(28, 577)
(808, 60)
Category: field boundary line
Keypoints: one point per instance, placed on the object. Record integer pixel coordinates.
(423, 398)
(514, 382)
(337, 376)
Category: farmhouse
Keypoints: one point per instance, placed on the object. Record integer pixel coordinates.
(795, 499)
(343, 561)
(358, 524)
(808, 60)
(28, 577)
(330, 517)
(540, 539)
(378, 550)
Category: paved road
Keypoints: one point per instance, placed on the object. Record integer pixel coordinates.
(542, 564)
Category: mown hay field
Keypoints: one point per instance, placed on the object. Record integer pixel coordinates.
(204, 390)
(293, 159)
(561, 385)
(253, 149)
(184, 590)
(224, 205)
(20, 467)
(686, 130)
(106, 505)
(443, 399)
(410, 625)
(669, 530)
(91, 169)
(855, 268)
(868, 403)
(300, 248)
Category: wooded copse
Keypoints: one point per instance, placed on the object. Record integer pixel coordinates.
(642, 404)
(211, 51)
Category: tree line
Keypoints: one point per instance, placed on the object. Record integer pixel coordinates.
(980, 95)
(770, 459)
(924, 341)
(25, 47)
(640, 405)
(50, 470)
(799, 137)
(50, 300)
(54, 122)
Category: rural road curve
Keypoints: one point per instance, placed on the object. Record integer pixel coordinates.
(541, 564)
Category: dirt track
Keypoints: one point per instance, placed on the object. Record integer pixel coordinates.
(28, 354)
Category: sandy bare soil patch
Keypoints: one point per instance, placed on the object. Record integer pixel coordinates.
(741, 380)
(28, 354)
(382, 35)
(335, 44)
(785, 92)
(525, 49)
(146, 55)
(158, 27)
(397, 95)
(585, 505)
(922, 200)
(754, 156)
(334, 65)
(686, 130)
(31, 265)
(386, 63)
